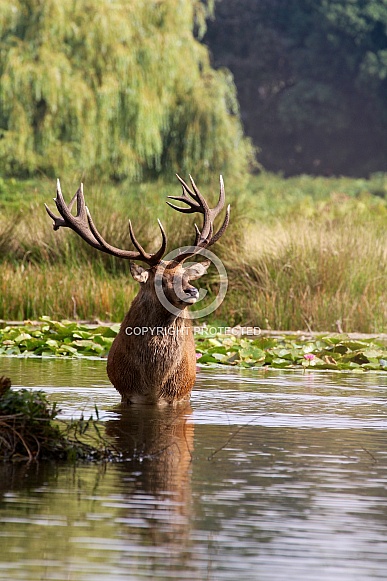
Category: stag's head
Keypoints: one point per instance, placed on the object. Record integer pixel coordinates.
(173, 283)
(171, 278)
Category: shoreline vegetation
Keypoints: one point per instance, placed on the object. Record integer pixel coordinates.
(31, 431)
(305, 253)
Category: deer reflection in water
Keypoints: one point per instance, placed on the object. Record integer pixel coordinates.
(157, 445)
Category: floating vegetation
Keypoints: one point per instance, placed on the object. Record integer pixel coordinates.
(71, 339)
(54, 338)
(30, 430)
(336, 352)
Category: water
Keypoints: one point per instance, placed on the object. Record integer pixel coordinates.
(265, 476)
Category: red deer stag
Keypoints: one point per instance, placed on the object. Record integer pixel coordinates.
(157, 365)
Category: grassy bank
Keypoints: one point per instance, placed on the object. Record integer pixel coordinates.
(303, 253)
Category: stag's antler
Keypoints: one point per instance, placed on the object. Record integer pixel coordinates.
(196, 203)
(82, 223)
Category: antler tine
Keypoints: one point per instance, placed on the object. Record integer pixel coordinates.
(194, 194)
(189, 210)
(152, 259)
(198, 196)
(81, 205)
(204, 237)
(222, 197)
(65, 210)
(82, 223)
(61, 206)
(58, 222)
(136, 244)
(193, 204)
(160, 253)
(223, 227)
(197, 238)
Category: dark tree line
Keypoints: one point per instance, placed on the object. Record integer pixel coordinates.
(311, 77)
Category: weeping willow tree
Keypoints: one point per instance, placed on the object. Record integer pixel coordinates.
(119, 88)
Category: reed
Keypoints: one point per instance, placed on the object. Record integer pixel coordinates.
(304, 253)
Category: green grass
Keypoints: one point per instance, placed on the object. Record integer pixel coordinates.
(301, 253)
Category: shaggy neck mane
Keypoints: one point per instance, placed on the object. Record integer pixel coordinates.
(147, 307)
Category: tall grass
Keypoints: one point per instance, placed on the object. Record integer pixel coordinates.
(81, 292)
(304, 253)
(322, 264)
(330, 278)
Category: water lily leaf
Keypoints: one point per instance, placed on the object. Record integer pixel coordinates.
(33, 344)
(12, 350)
(108, 331)
(89, 345)
(67, 349)
(340, 348)
(82, 335)
(105, 341)
(325, 365)
(355, 357)
(265, 342)
(252, 354)
(355, 345)
(349, 365)
(373, 366)
(229, 341)
(218, 349)
(215, 342)
(282, 353)
(373, 353)
(220, 356)
(22, 337)
(206, 359)
(309, 348)
(278, 362)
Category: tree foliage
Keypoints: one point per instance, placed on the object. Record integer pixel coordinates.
(311, 78)
(120, 88)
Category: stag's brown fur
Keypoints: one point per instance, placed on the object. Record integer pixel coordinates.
(158, 364)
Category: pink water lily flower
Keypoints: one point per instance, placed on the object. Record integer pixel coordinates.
(309, 356)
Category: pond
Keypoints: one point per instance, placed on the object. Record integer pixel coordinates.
(267, 475)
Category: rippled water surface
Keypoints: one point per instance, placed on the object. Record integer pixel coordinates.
(266, 476)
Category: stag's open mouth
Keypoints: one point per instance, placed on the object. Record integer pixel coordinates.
(191, 295)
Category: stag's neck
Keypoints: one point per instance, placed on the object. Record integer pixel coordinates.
(155, 315)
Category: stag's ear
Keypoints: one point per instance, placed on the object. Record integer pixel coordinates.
(139, 273)
(196, 270)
